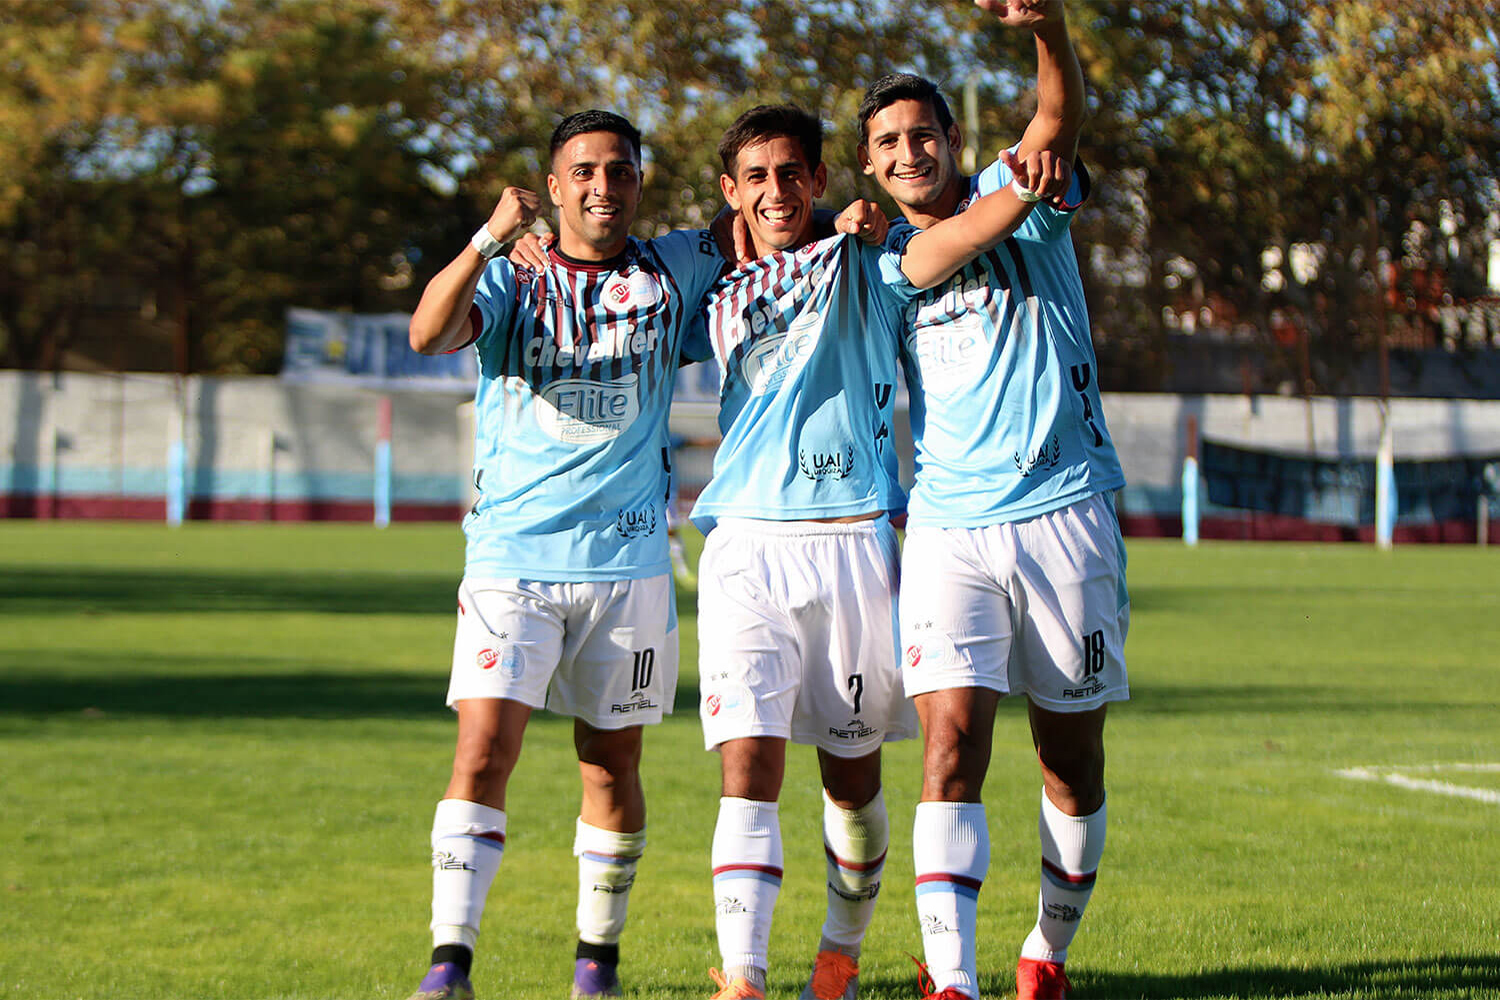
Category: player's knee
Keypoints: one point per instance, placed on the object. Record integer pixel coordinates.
(609, 765)
(483, 761)
(1074, 776)
(852, 787)
(610, 772)
(616, 755)
(955, 761)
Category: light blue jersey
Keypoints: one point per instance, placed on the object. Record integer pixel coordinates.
(1004, 387)
(577, 364)
(806, 343)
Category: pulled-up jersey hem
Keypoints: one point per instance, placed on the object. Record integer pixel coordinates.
(1007, 515)
(555, 574)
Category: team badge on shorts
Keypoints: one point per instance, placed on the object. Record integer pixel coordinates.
(508, 660)
(935, 650)
(732, 701)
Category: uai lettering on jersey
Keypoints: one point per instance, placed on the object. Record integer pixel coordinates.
(635, 523)
(821, 465)
(1044, 458)
(581, 411)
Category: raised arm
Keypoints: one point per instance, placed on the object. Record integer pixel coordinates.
(936, 253)
(440, 322)
(1060, 92)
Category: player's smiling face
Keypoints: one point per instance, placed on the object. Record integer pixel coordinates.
(773, 188)
(596, 182)
(910, 155)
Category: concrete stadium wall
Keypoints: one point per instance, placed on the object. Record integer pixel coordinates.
(86, 445)
(83, 445)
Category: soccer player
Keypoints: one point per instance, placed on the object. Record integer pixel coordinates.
(798, 573)
(567, 599)
(1013, 575)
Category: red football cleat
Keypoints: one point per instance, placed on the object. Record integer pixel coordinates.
(1037, 980)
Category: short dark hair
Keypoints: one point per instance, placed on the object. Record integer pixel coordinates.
(895, 87)
(594, 121)
(766, 121)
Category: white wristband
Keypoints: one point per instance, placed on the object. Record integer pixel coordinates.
(1024, 193)
(486, 244)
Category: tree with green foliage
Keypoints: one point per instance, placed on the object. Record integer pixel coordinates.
(173, 176)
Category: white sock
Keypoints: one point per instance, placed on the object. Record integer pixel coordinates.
(1071, 849)
(951, 854)
(747, 877)
(606, 871)
(855, 842)
(468, 841)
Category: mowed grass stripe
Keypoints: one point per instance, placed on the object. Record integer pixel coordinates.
(221, 747)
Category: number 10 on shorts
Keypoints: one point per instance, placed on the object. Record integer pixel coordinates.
(642, 668)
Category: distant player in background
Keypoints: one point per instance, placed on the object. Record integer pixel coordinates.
(798, 574)
(1013, 575)
(567, 599)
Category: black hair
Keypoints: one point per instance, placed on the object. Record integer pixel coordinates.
(767, 121)
(895, 87)
(594, 121)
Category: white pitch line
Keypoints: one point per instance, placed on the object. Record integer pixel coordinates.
(1425, 785)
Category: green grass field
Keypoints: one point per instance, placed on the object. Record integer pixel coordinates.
(221, 746)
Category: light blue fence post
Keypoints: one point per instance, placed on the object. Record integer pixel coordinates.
(1190, 500)
(177, 458)
(383, 465)
(1385, 482)
(1190, 484)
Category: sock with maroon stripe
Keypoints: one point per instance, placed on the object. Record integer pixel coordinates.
(1071, 849)
(468, 841)
(951, 854)
(606, 870)
(854, 842)
(747, 868)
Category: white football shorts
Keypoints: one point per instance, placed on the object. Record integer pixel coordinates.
(796, 634)
(603, 651)
(1035, 607)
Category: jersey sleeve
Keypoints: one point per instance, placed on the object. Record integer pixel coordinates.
(692, 258)
(696, 343)
(887, 274)
(1046, 222)
(495, 304)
